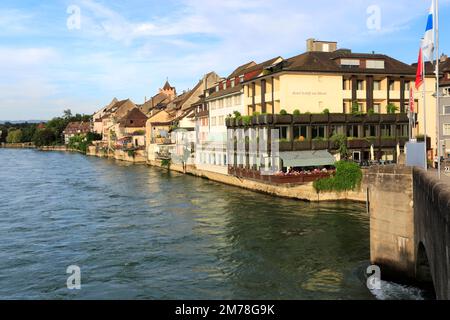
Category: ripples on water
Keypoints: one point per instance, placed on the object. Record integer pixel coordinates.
(140, 232)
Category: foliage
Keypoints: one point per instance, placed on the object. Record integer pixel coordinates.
(283, 112)
(44, 137)
(166, 163)
(247, 120)
(348, 177)
(296, 112)
(355, 107)
(326, 111)
(371, 112)
(14, 136)
(391, 108)
(340, 141)
(237, 114)
(82, 142)
(255, 114)
(131, 153)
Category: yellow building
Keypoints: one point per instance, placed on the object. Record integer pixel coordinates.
(339, 81)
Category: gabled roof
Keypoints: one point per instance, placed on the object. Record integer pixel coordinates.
(77, 127)
(263, 65)
(167, 86)
(330, 62)
(135, 118)
(241, 69)
(221, 93)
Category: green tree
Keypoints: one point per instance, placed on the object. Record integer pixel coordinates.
(340, 141)
(391, 108)
(44, 137)
(28, 133)
(14, 136)
(67, 114)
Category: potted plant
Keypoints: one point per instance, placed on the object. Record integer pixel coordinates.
(282, 118)
(372, 117)
(285, 145)
(321, 117)
(337, 117)
(255, 118)
(319, 143)
(301, 118)
(302, 144)
(388, 142)
(265, 118)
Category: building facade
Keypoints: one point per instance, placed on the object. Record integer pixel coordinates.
(445, 106)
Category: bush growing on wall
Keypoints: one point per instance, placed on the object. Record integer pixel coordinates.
(348, 177)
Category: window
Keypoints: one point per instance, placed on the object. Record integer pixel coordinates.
(300, 132)
(344, 84)
(221, 121)
(213, 121)
(386, 130)
(224, 84)
(317, 132)
(391, 85)
(377, 85)
(283, 132)
(407, 85)
(446, 129)
(370, 130)
(360, 84)
(353, 131)
(350, 62)
(446, 91)
(375, 64)
(446, 109)
(403, 130)
(377, 108)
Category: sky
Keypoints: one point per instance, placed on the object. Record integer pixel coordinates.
(80, 54)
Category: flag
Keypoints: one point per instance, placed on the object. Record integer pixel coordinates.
(428, 40)
(419, 74)
(411, 100)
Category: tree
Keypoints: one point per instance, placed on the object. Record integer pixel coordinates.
(14, 136)
(28, 133)
(44, 137)
(340, 141)
(391, 108)
(67, 114)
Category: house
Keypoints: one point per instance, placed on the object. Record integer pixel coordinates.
(97, 116)
(131, 128)
(305, 100)
(444, 84)
(159, 101)
(74, 129)
(179, 113)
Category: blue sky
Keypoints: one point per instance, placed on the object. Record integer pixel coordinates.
(126, 49)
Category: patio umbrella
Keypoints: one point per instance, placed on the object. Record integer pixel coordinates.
(372, 153)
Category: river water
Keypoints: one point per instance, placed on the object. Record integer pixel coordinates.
(138, 232)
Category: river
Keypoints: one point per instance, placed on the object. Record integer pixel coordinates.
(138, 232)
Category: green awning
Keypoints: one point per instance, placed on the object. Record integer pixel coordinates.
(308, 158)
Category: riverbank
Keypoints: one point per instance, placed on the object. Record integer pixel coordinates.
(25, 145)
(305, 192)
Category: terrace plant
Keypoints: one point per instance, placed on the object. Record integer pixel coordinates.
(296, 112)
(326, 111)
(283, 112)
(348, 177)
(340, 141)
(391, 108)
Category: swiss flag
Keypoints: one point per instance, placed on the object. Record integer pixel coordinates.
(411, 100)
(419, 74)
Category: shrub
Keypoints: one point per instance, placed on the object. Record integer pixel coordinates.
(340, 141)
(296, 112)
(237, 114)
(326, 111)
(14, 136)
(255, 114)
(44, 137)
(283, 112)
(391, 108)
(247, 120)
(348, 177)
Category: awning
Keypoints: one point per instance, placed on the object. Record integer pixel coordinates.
(307, 158)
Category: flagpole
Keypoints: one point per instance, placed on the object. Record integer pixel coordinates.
(424, 110)
(438, 109)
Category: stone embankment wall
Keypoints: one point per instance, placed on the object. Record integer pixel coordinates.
(26, 145)
(300, 192)
(432, 224)
(138, 157)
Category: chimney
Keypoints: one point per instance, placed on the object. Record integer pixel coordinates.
(313, 45)
(444, 58)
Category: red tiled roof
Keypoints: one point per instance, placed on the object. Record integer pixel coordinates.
(77, 127)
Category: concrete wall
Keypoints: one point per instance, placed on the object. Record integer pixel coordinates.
(392, 220)
(432, 224)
